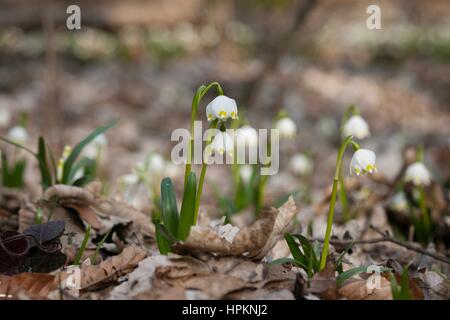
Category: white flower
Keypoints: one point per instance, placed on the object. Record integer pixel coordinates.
(363, 161)
(356, 126)
(155, 163)
(287, 127)
(418, 174)
(246, 136)
(399, 202)
(222, 143)
(246, 172)
(18, 135)
(94, 149)
(100, 140)
(5, 117)
(222, 108)
(171, 170)
(301, 164)
(129, 180)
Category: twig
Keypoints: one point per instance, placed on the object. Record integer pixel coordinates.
(410, 247)
(386, 238)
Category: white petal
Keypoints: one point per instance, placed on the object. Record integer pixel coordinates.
(363, 161)
(287, 127)
(300, 164)
(418, 174)
(18, 135)
(356, 126)
(223, 108)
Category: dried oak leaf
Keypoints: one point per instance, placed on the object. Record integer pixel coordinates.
(28, 285)
(254, 241)
(358, 289)
(323, 283)
(108, 271)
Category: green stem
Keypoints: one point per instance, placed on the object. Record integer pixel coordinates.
(337, 173)
(424, 210)
(213, 125)
(343, 198)
(201, 92)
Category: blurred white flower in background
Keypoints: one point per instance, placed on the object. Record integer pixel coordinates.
(94, 149)
(246, 136)
(287, 127)
(18, 135)
(363, 161)
(5, 117)
(398, 202)
(245, 173)
(418, 174)
(301, 164)
(222, 143)
(356, 126)
(129, 180)
(222, 108)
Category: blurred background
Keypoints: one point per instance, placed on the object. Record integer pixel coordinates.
(142, 60)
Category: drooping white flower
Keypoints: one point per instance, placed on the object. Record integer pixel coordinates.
(246, 172)
(18, 135)
(222, 143)
(246, 136)
(5, 117)
(301, 164)
(363, 161)
(418, 174)
(356, 126)
(287, 127)
(398, 202)
(222, 108)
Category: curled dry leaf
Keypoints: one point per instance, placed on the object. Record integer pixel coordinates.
(92, 276)
(254, 241)
(28, 285)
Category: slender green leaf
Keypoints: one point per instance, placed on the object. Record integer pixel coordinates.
(68, 165)
(308, 251)
(349, 273)
(169, 206)
(281, 261)
(163, 244)
(46, 178)
(295, 251)
(83, 246)
(99, 246)
(187, 207)
(341, 257)
(354, 271)
(18, 146)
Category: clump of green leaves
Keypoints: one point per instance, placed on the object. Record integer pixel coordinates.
(12, 174)
(72, 165)
(305, 254)
(173, 226)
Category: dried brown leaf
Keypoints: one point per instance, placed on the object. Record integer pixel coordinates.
(254, 241)
(29, 285)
